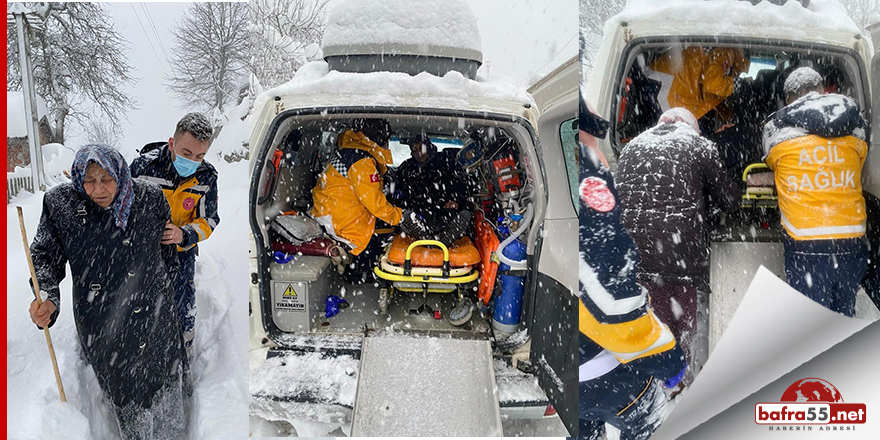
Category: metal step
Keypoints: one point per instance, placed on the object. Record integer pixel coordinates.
(315, 385)
(418, 386)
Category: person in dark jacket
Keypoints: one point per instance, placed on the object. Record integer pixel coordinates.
(816, 147)
(108, 228)
(669, 177)
(190, 185)
(626, 352)
(431, 183)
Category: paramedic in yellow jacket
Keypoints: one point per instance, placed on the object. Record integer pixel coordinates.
(697, 79)
(190, 185)
(816, 147)
(349, 198)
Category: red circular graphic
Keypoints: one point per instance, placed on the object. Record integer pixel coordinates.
(595, 193)
(811, 389)
(189, 203)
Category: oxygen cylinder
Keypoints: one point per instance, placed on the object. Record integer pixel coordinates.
(508, 304)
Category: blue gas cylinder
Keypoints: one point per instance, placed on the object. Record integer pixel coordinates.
(508, 304)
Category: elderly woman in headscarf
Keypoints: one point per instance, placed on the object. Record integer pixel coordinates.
(108, 227)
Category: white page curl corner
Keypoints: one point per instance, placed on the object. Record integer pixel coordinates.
(775, 330)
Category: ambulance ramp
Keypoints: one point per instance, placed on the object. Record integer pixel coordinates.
(308, 378)
(418, 386)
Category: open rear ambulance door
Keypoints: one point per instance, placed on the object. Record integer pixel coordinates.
(553, 311)
(871, 171)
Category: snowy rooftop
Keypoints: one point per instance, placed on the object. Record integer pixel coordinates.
(732, 16)
(15, 114)
(453, 90)
(412, 27)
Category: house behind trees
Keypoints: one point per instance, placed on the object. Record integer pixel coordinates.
(17, 149)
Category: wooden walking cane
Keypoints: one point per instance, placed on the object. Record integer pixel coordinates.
(27, 253)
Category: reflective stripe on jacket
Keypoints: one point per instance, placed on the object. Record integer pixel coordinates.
(348, 196)
(614, 313)
(818, 160)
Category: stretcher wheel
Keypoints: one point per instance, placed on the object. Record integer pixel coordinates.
(383, 301)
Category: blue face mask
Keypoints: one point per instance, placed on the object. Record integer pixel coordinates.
(185, 167)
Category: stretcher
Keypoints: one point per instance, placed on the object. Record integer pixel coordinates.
(426, 266)
(754, 196)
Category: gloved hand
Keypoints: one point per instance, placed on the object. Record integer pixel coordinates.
(675, 380)
(414, 224)
(389, 180)
(333, 304)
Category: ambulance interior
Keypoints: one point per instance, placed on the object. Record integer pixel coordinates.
(751, 237)
(736, 124)
(502, 188)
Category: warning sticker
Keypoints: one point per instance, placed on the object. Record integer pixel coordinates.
(287, 300)
(289, 293)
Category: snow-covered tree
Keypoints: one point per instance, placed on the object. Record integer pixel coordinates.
(285, 34)
(861, 11)
(101, 131)
(209, 59)
(79, 62)
(593, 15)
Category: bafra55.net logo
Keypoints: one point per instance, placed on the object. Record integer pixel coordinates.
(808, 402)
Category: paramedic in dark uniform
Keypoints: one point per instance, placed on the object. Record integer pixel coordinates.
(626, 353)
(190, 185)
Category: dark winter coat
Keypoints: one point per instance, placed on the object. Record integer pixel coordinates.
(123, 302)
(426, 187)
(668, 178)
(871, 282)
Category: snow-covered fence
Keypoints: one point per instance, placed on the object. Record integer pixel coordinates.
(56, 165)
(16, 184)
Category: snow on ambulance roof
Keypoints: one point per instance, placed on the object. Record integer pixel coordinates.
(410, 27)
(738, 16)
(453, 90)
(16, 125)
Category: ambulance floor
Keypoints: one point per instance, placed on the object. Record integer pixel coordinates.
(363, 314)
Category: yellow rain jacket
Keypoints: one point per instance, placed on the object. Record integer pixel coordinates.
(697, 80)
(348, 197)
(816, 146)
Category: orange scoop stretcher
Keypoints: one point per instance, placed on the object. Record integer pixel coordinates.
(429, 261)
